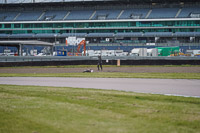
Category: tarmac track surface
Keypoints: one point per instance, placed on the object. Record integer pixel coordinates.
(180, 87)
(139, 69)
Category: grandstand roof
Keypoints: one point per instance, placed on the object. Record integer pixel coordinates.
(75, 1)
(45, 1)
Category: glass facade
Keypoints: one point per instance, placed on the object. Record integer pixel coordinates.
(101, 27)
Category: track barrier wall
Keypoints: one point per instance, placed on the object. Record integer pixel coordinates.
(57, 61)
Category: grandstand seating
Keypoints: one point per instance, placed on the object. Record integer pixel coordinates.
(54, 15)
(80, 15)
(109, 14)
(29, 16)
(7, 16)
(47, 35)
(98, 14)
(185, 34)
(158, 13)
(122, 34)
(53, 35)
(21, 35)
(73, 34)
(158, 34)
(135, 34)
(186, 12)
(100, 35)
(128, 12)
(4, 35)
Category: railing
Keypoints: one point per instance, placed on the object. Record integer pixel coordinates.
(142, 44)
(81, 58)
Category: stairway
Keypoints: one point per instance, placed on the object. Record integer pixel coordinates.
(17, 16)
(179, 11)
(120, 14)
(92, 15)
(148, 14)
(66, 15)
(41, 16)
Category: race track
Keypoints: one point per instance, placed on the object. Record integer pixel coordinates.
(182, 87)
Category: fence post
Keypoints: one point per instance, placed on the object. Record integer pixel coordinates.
(118, 62)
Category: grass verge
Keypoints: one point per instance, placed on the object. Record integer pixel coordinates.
(94, 66)
(32, 109)
(108, 75)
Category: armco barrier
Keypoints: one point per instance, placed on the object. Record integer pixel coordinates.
(6, 61)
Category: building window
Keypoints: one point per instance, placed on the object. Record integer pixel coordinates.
(17, 26)
(7, 26)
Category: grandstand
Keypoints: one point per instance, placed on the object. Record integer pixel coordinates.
(105, 24)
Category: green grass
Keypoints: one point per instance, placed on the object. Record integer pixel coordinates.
(108, 75)
(32, 109)
(91, 66)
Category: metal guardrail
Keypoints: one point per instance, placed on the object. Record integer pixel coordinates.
(80, 58)
(40, 58)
